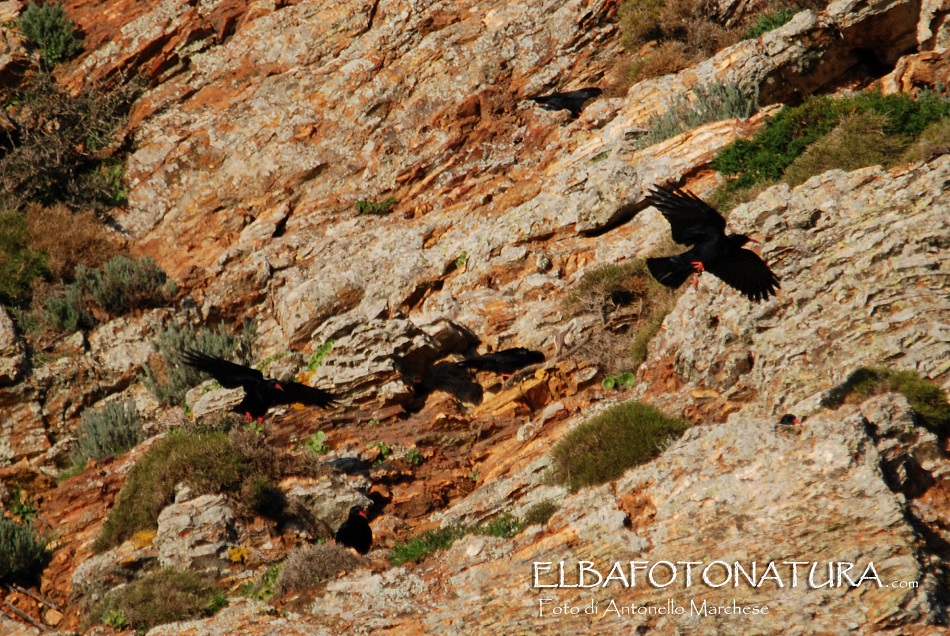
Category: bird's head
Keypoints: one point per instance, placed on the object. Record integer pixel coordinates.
(357, 511)
(274, 384)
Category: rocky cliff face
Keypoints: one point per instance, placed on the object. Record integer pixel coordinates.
(267, 122)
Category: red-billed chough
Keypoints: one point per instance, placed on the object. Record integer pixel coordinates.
(259, 393)
(505, 362)
(789, 419)
(355, 531)
(696, 223)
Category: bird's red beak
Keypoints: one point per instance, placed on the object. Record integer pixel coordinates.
(362, 513)
(796, 420)
(278, 387)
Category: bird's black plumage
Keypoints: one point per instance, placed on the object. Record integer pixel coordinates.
(260, 393)
(571, 100)
(789, 419)
(694, 222)
(355, 531)
(506, 361)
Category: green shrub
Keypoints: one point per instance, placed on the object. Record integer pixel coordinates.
(858, 141)
(23, 553)
(927, 398)
(310, 565)
(46, 27)
(62, 143)
(714, 102)
(208, 463)
(933, 142)
(377, 208)
(161, 597)
(111, 430)
(603, 448)
(65, 311)
(124, 284)
(421, 546)
(171, 379)
(786, 136)
(769, 21)
(540, 513)
(19, 265)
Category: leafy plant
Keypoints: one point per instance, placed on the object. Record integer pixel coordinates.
(461, 259)
(377, 208)
(20, 507)
(110, 430)
(603, 448)
(321, 353)
(263, 590)
(47, 27)
(316, 444)
(624, 380)
(414, 457)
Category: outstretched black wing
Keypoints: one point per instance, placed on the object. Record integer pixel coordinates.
(691, 220)
(292, 392)
(748, 273)
(229, 374)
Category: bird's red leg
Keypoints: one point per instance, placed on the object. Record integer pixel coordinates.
(260, 420)
(247, 417)
(699, 269)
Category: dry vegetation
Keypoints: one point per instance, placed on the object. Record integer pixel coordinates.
(630, 306)
(309, 566)
(666, 36)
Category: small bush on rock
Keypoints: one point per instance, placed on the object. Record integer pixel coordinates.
(208, 463)
(110, 430)
(603, 448)
(23, 553)
(161, 597)
(46, 27)
(311, 565)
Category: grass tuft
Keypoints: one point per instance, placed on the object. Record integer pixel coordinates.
(713, 102)
(928, 399)
(376, 208)
(768, 21)
(603, 448)
(540, 513)
(421, 546)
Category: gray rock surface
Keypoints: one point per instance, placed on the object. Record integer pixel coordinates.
(195, 534)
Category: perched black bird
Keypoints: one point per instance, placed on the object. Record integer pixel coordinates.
(695, 223)
(505, 362)
(355, 531)
(571, 100)
(259, 393)
(789, 419)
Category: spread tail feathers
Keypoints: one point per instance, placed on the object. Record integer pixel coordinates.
(671, 271)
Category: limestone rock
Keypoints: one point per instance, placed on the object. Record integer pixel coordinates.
(322, 502)
(12, 354)
(195, 534)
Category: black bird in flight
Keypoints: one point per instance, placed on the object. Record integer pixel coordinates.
(355, 531)
(571, 100)
(259, 393)
(505, 362)
(696, 223)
